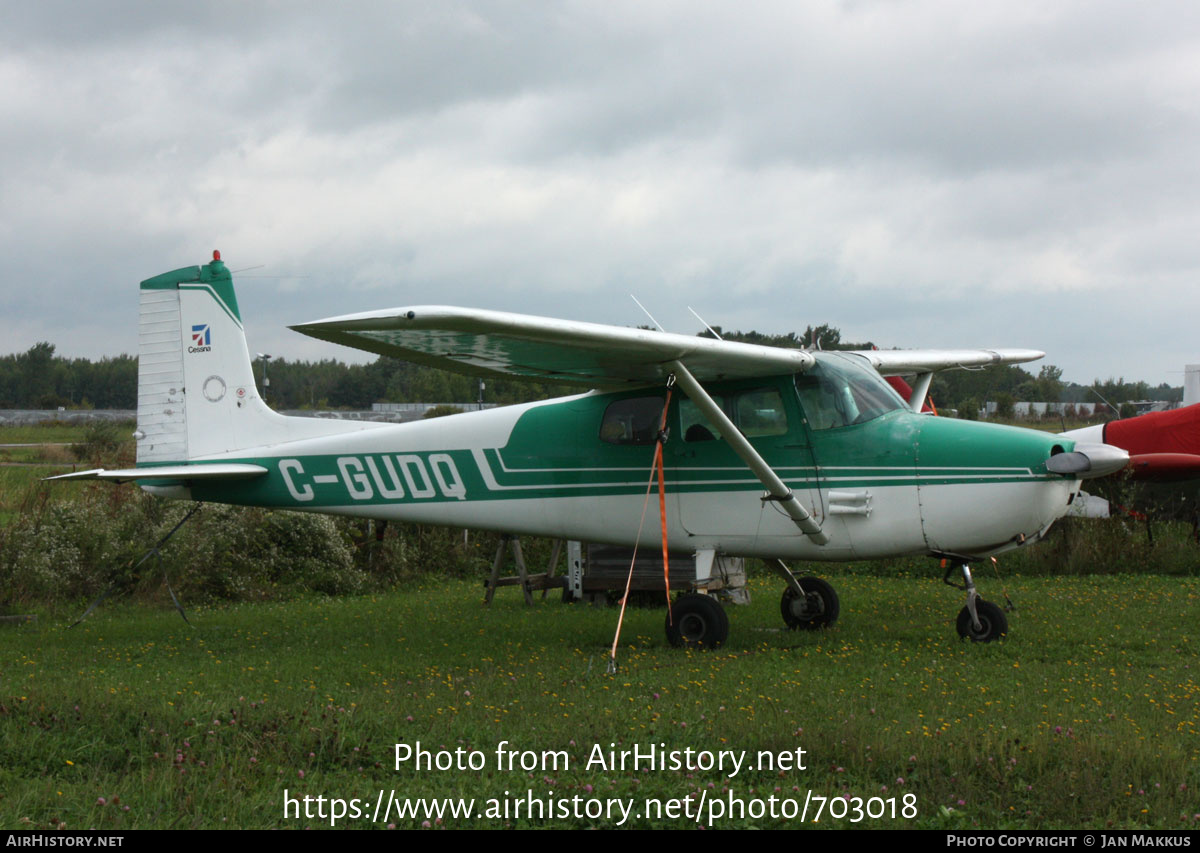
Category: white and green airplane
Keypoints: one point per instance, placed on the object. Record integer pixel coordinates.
(773, 453)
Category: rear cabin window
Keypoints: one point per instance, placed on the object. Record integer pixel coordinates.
(756, 413)
(761, 413)
(632, 421)
(695, 426)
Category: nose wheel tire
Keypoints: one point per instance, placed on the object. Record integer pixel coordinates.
(817, 608)
(993, 624)
(697, 621)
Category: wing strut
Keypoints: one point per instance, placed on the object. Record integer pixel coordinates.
(920, 390)
(775, 487)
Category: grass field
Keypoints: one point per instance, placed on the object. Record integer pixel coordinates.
(1087, 716)
(29, 453)
(43, 433)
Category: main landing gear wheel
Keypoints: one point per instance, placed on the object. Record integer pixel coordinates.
(817, 608)
(697, 621)
(993, 624)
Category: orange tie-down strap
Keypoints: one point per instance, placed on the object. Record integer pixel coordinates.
(662, 501)
(656, 466)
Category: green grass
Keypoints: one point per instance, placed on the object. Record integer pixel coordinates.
(20, 487)
(47, 452)
(37, 453)
(50, 431)
(1086, 716)
(22, 467)
(52, 442)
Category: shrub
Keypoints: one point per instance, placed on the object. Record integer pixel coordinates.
(101, 440)
(79, 548)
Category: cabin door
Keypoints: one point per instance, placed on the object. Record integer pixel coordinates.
(717, 494)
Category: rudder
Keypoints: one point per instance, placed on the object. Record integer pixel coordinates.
(196, 392)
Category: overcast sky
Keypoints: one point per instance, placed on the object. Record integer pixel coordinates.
(919, 174)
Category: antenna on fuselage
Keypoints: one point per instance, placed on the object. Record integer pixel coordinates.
(647, 313)
(714, 332)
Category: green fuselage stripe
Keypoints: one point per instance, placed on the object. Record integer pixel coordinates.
(463, 475)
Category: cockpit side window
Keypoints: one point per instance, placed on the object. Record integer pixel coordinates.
(634, 420)
(822, 401)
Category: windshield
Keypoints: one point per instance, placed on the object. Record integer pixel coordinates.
(843, 389)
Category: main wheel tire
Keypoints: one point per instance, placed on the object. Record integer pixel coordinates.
(817, 608)
(993, 624)
(697, 621)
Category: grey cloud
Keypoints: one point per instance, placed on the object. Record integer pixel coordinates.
(917, 173)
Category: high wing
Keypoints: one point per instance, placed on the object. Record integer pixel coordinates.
(495, 343)
(898, 362)
(925, 363)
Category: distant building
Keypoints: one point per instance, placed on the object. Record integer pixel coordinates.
(384, 412)
(1191, 384)
(1040, 410)
(416, 411)
(1025, 409)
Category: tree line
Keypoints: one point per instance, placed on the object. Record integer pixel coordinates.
(968, 390)
(40, 379)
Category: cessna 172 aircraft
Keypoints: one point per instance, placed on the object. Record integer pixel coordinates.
(772, 453)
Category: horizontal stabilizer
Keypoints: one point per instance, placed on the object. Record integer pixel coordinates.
(218, 471)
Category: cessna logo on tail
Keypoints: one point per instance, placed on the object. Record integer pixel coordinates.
(201, 338)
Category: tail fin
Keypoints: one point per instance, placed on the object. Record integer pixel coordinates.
(196, 392)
